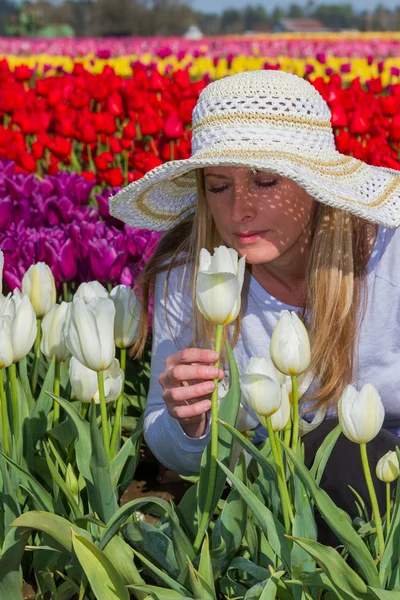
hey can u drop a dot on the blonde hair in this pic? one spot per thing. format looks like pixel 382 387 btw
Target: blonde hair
pixel 335 289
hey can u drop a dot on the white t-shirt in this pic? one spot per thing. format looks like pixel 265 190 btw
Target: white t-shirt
pixel 379 346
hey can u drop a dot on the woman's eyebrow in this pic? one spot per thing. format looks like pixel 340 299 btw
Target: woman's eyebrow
pixel 220 175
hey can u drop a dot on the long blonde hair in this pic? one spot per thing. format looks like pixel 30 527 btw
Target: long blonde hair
pixel 335 289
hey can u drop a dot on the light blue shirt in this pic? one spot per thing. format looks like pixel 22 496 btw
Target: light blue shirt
pixel 378 347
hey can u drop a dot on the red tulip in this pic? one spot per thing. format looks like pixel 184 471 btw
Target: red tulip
pixel 339 116
pixel 23 73
pixel 359 124
pixel 103 160
pixel 27 161
pixel 173 128
pixel 394 131
pixel 114 177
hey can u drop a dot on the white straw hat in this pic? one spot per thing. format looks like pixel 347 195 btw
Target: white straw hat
pixel 272 121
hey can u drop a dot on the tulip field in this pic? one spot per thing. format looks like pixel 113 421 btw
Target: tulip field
pixel 79 119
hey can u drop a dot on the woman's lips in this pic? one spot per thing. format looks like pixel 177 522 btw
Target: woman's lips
pixel 250 238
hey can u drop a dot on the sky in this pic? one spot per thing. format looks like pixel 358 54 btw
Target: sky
pixel 217 6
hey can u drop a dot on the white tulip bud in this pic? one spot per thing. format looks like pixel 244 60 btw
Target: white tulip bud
pixel 290 345
pixel 261 391
pixel 23 326
pixel 84 382
pixel 127 314
pixel 245 420
pixel 361 414
pixel 387 469
pixel 53 336
pixel 280 418
pixel 219 285
pixel 92 289
pixel 89 332
pixel 6 347
pixel 38 283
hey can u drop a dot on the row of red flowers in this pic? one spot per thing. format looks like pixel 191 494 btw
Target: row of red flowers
pixel 113 129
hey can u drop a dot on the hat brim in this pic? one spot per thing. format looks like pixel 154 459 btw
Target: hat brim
pixel 168 193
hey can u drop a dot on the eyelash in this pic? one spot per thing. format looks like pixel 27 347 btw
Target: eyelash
pixel 258 183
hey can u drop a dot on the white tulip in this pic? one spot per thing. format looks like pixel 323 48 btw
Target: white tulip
pixel 38 283
pixel 280 418
pixel 387 469
pixel 361 414
pixel 6 348
pixel 261 391
pixel 90 332
pixel 127 314
pixel 53 336
pixel 92 289
pixel 23 324
pixel 84 381
pixel 219 284
pixel 307 426
pixel 245 420
pixel 290 345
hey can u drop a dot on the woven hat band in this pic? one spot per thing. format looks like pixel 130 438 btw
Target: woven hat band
pixel 248 122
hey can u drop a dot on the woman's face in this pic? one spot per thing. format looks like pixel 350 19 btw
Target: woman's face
pixel 258 213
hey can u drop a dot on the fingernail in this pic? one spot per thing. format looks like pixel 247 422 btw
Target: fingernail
pixel 214 355
pixel 213 372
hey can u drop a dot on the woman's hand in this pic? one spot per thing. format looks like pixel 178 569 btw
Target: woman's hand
pixel 187 384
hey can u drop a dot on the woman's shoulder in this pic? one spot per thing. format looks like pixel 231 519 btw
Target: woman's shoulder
pixel 384 261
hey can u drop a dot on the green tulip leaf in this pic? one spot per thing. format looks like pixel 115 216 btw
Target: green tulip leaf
pixel 10 561
pixel 104 579
pixel 154 544
pixel 385 594
pixel 337 521
pixel 159 593
pixel 323 453
pixel 264 463
pixel 42 499
pixel 271 587
pixel 122 557
pixel 58 528
pixel 169 581
pixel 389 565
pixel 256 572
pixel 59 481
pixel 272 528
pixel 42 406
pixel 206 567
pixel 346 583
pixel 230 526
pixel 92 462
pixel 304 527
pixel 124 464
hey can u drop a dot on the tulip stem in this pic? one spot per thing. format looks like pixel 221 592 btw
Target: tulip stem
pixel 103 410
pixel 116 432
pixel 373 498
pixel 388 508
pixel 295 401
pixel 280 474
pixel 287 432
pixel 56 388
pixel 12 371
pixel 205 517
pixel 4 419
pixel 36 360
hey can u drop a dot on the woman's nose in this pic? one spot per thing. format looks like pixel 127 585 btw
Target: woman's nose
pixel 243 206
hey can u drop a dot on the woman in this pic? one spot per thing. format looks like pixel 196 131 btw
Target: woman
pixel 265 179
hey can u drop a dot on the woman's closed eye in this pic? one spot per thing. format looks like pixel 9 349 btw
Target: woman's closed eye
pixel 221 188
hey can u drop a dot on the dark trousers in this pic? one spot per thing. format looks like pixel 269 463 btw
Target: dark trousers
pixel 344 468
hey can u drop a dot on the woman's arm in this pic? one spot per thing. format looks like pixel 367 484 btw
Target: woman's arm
pixel 163 433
